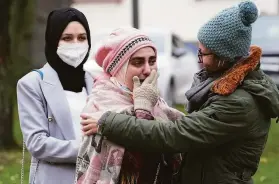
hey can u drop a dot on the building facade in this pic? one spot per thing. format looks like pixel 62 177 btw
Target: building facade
pixel 184 17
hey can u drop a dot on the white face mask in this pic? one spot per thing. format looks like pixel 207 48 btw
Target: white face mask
pixel 72 53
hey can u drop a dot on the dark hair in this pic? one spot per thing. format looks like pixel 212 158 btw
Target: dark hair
pixel 227 60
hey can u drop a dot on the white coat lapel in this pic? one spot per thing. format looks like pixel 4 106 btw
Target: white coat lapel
pixel 56 100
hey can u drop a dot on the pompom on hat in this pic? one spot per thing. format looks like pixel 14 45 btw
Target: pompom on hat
pixel 119 46
pixel 228 34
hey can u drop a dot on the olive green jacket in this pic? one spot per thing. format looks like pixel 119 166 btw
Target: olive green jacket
pixel 222 142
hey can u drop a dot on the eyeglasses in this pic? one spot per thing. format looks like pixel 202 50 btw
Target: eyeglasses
pixel 200 55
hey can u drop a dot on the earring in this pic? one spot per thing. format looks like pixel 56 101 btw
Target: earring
pixel 219 63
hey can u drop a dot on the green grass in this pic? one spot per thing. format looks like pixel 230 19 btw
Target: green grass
pixel 10 167
pixel 10 161
pixel 268 172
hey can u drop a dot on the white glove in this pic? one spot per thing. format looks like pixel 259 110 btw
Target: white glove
pixel 146 94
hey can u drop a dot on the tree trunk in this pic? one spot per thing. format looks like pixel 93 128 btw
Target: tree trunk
pixel 6 100
pixel 15 17
pixel 21 42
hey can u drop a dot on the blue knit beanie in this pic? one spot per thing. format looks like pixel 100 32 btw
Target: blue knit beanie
pixel 228 34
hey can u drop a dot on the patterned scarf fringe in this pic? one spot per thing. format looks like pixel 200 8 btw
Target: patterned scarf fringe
pixel 129 178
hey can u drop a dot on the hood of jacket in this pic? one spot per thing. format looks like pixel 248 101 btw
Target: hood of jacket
pixel 248 76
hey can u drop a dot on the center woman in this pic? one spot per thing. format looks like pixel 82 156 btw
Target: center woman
pixel 128 58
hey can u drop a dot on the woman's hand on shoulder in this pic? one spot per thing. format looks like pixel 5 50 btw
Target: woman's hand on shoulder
pixel 89 125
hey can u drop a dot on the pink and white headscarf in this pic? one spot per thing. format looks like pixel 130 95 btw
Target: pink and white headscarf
pixel 119 46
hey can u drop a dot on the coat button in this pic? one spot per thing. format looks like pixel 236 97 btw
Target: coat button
pixel 50 119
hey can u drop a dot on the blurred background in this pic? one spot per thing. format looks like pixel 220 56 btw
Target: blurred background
pixel 171 24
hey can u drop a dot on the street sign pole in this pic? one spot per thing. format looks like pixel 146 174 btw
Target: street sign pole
pixel 135 13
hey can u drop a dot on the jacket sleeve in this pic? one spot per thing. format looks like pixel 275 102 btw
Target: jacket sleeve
pixel 216 124
pixel 34 127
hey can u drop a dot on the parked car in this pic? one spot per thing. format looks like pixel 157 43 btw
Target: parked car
pixel 266 35
pixel 177 64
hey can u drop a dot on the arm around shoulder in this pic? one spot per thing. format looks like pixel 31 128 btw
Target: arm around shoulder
pixel 216 124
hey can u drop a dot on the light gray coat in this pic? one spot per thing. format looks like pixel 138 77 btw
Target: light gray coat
pixel 47 127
